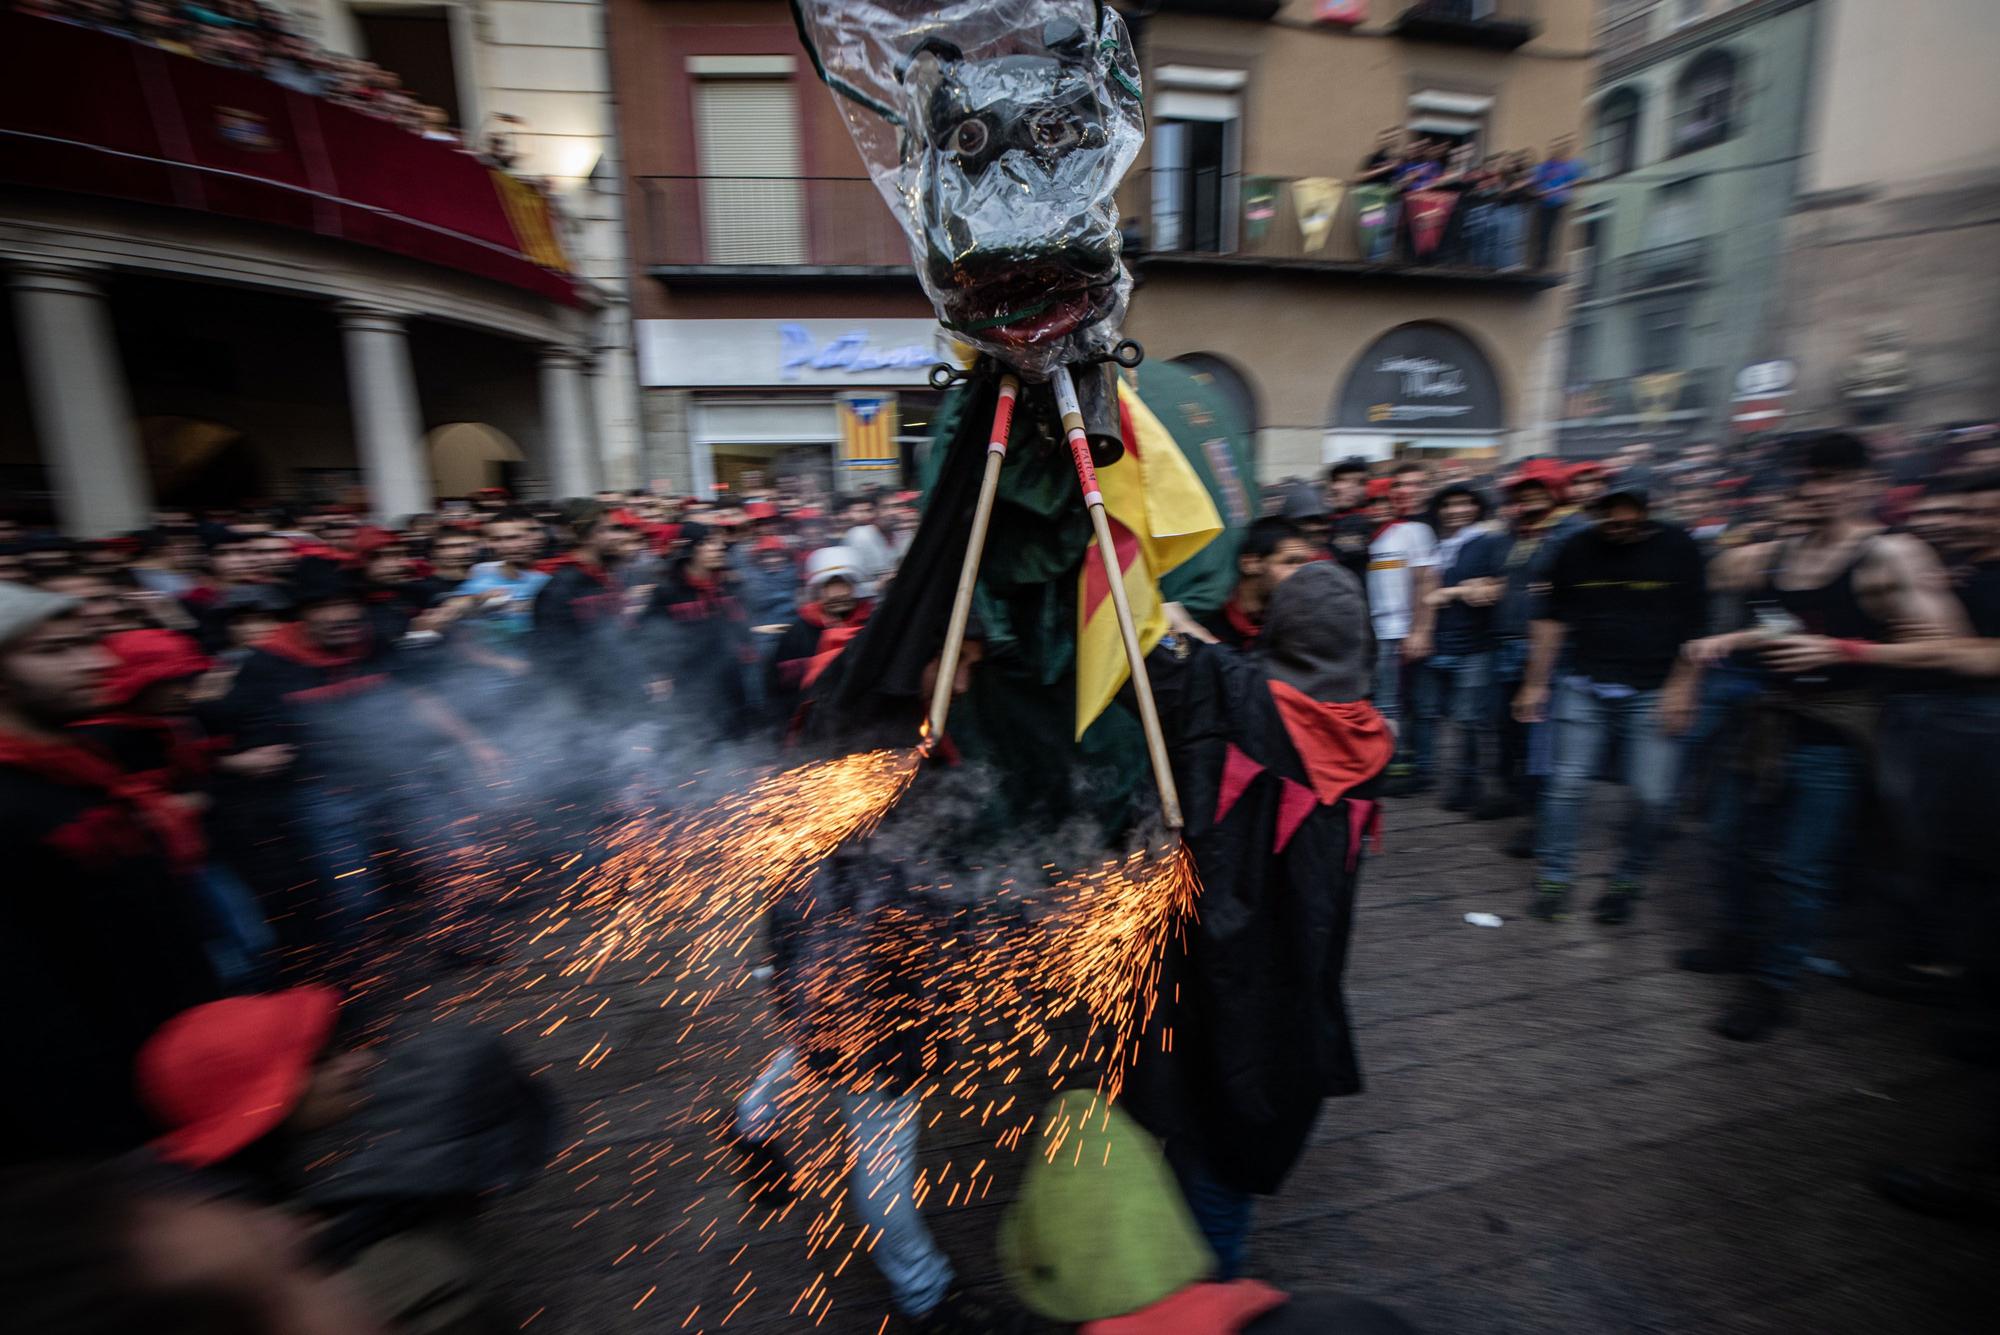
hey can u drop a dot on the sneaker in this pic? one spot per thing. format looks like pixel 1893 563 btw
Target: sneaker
pixel 1759 1011
pixel 1614 906
pixel 1522 843
pixel 964 1312
pixel 1551 901
pixel 1725 956
pixel 766 1176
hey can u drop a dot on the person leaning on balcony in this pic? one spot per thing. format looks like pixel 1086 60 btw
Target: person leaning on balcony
pixel 1554 181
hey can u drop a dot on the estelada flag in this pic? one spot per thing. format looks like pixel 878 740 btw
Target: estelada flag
pixel 534 223
pixel 1429 211
pixel 1160 516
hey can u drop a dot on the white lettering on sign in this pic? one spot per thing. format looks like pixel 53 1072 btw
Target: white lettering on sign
pixel 850 352
pixel 1425 377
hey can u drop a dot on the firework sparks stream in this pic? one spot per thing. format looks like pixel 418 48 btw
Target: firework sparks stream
pixel 1040 982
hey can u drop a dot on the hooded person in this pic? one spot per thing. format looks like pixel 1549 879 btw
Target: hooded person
pixel 1099 1239
pixel 1274 753
pixel 832 615
pixel 101 933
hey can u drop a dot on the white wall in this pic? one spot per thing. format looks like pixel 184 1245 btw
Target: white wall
pixel 1905 90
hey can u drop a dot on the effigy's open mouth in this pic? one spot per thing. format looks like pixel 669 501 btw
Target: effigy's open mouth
pixel 1026 304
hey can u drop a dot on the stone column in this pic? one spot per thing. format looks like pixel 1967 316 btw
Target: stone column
pixel 388 425
pixel 82 408
pixel 565 432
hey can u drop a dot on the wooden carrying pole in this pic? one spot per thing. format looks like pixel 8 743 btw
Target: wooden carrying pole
pixel 975 546
pixel 1142 686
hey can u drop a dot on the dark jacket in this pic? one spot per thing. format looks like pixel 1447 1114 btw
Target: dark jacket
pixel 101 942
pixel 699 636
pixel 581 644
pixel 340 710
pixel 1253 996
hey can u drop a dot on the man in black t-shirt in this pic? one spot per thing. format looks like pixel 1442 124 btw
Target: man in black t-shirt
pixel 1624 595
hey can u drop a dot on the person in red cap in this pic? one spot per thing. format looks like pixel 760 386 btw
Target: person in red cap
pixel 100 929
pixel 1539 522
pixel 382 1158
pixel 1401 557
pixel 1587 481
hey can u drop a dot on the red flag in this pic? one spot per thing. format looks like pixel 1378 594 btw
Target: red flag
pixel 1428 211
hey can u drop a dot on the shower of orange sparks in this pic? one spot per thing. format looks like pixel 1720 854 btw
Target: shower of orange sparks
pixel 676 902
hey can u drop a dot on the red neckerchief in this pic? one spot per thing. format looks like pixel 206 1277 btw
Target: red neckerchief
pixel 1343 743
pixel 173 827
pixel 1199 1309
pixel 1239 619
pixel 570 560
pixel 188 755
pixel 291 642
pixel 1382 528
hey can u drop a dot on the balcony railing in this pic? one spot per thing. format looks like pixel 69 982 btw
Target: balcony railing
pixel 1683 264
pixel 768 226
pixel 1254 220
pixel 1501 25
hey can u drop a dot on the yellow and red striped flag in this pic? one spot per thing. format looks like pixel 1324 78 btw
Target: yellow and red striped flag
pixel 1160 516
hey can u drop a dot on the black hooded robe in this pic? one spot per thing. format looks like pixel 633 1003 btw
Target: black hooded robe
pixel 1252 997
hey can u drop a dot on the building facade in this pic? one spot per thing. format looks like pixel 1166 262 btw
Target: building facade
pixel 230 287
pixel 780 329
pixel 773 288
pixel 1891 305
pixel 1698 113
pixel 1252 263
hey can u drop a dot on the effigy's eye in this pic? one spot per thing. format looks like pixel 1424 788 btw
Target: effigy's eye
pixel 969 140
pixel 1055 131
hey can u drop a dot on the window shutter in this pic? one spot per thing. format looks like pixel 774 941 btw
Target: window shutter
pixel 750 205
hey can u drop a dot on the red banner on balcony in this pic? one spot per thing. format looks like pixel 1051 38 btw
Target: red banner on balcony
pixel 96 114
pixel 1348 12
pixel 1428 211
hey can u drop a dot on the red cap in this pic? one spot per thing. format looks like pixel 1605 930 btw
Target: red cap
pixel 148 657
pixel 366 542
pixel 1588 468
pixel 1378 487
pixel 223 1076
pixel 761 510
pixel 769 543
pixel 807 512
pixel 1547 472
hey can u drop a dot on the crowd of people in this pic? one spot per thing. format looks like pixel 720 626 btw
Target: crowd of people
pixel 235 737
pixel 264 39
pixel 1498 211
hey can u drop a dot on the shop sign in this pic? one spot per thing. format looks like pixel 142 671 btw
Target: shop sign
pixel 1422 377
pixel 741 353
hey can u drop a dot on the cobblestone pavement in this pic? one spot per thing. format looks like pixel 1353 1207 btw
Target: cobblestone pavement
pixel 1550 1141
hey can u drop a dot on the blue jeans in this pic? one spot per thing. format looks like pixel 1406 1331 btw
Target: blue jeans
pixel 1794 841
pixel 1221 1213
pixel 1388 695
pixel 337 827
pixel 1458 687
pixel 1584 722
pixel 883 1131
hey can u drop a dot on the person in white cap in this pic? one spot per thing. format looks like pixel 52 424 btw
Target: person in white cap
pixel 833 614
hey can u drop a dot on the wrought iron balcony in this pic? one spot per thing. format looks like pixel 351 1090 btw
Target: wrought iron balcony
pixel 1500 25
pixel 731 228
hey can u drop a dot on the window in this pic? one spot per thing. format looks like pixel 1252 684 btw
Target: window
pixel 1582 353
pixel 1196 146
pixel 1705 102
pixel 1586 264
pixel 1663 332
pixel 415 44
pixel 1615 149
pixel 746 132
